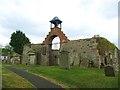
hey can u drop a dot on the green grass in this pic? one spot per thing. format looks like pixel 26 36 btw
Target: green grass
pixel 12 80
pixel 0 75
pixel 76 77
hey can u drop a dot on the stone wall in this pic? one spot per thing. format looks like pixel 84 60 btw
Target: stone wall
pixel 43 55
pixel 28 49
pixel 81 52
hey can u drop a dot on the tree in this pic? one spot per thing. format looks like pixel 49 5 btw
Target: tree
pixel 18 40
pixel 8 50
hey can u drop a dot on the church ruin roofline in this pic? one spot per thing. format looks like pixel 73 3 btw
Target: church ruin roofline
pixel 81 39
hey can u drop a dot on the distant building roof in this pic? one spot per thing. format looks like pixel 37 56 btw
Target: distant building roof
pixel 4 54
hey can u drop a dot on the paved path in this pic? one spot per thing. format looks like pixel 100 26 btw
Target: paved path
pixel 35 80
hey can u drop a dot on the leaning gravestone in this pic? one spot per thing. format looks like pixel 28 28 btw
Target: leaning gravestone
pixel 109 71
pixel 64 60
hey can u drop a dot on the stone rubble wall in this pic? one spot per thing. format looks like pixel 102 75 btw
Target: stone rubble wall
pixel 27 49
pixel 81 52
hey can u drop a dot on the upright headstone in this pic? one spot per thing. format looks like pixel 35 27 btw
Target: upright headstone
pixel 109 71
pixel 64 60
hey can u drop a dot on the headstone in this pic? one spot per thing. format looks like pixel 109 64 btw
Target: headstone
pixel 64 61
pixel 109 71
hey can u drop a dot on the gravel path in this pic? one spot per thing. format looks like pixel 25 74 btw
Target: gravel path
pixel 35 80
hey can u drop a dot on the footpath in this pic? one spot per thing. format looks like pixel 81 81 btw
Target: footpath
pixel 37 81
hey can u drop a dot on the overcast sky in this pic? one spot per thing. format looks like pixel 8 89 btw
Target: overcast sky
pixel 81 18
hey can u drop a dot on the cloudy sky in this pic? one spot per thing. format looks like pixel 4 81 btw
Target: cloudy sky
pixel 81 18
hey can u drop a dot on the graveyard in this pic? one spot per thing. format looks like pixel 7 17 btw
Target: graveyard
pixel 83 63
pixel 95 52
pixel 74 78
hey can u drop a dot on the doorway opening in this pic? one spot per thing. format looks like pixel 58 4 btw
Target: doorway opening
pixel 56 43
pixel 55 51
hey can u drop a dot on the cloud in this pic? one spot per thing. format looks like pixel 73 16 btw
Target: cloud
pixel 81 18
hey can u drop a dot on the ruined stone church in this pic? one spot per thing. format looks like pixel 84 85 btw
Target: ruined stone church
pixel 82 52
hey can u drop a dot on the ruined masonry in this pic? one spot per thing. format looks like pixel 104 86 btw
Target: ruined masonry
pixel 82 52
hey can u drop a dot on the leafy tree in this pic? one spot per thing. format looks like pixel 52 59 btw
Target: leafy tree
pixel 0 49
pixel 18 40
pixel 8 50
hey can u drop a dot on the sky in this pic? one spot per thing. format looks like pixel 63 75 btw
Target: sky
pixel 81 18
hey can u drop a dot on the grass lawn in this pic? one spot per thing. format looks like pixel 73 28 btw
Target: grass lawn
pixel 0 75
pixel 12 80
pixel 76 77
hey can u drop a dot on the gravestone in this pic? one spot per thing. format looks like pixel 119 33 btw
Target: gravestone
pixel 109 71
pixel 64 60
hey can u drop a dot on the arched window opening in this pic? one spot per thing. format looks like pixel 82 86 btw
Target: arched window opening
pixel 56 43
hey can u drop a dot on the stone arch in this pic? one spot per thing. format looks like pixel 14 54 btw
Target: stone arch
pixel 49 38
pixel 54 33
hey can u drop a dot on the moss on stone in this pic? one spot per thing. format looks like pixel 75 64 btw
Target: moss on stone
pixel 105 46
